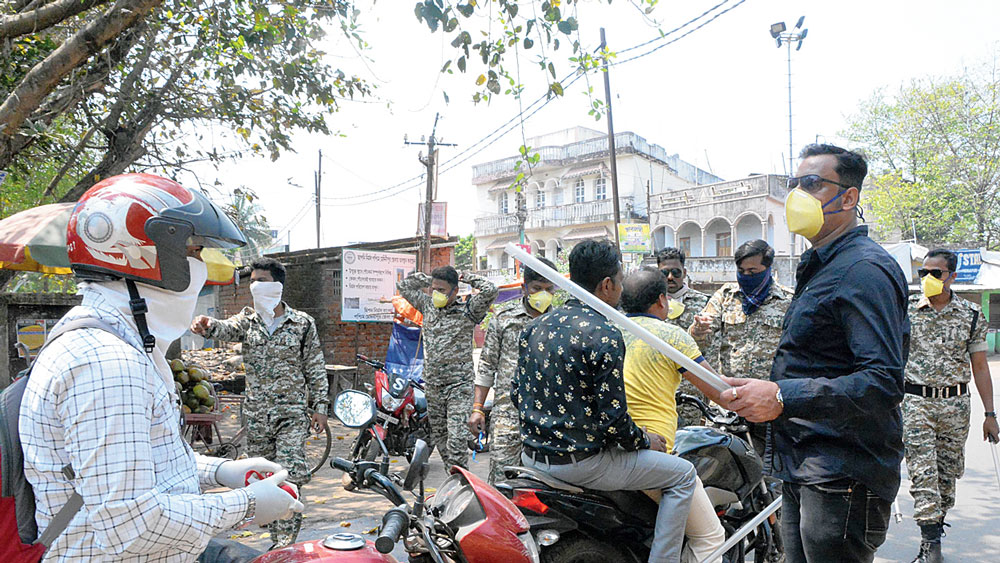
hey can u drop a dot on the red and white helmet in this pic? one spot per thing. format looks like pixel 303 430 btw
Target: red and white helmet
pixel 138 227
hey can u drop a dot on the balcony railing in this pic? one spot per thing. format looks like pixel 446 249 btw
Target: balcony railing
pixel 496 224
pixel 625 142
pixel 597 211
pixel 721 192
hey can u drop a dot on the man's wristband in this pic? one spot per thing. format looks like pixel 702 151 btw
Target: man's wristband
pixel 991 414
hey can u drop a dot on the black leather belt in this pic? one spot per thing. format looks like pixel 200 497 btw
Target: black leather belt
pixel 936 392
pixel 558 459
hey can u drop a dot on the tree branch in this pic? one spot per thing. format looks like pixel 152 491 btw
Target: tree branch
pixel 43 78
pixel 43 17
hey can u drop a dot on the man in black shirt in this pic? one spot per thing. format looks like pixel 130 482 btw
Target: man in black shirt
pixel 837 379
pixel 570 394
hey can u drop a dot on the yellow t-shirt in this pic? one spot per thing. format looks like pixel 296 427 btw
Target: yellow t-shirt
pixel 651 379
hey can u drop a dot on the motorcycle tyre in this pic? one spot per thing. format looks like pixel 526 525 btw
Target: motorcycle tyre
pixel 580 549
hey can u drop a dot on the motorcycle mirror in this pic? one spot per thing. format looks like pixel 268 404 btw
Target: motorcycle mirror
pixel 354 408
pixel 418 465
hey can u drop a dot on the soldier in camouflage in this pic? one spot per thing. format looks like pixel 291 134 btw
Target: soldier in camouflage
pixel 285 368
pixel 448 366
pixel 497 365
pixel 948 334
pixel 685 304
pixel 740 327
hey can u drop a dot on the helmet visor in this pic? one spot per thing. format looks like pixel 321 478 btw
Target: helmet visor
pixel 212 227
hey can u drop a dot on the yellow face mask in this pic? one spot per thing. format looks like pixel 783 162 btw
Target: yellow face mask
pixel 804 213
pixel 931 286
pixel 540 301
pixel 674 309
pixel 439 299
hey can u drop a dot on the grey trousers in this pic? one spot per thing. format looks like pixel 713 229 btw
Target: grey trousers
pixel 615 469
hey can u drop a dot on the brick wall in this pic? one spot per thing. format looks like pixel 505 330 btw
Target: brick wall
pixel 312 285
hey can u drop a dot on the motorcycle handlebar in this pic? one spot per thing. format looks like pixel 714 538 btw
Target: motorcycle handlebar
pixel 365 359
pixel 394 523
pixel 342 464
pixel 710 414
pixel 388 488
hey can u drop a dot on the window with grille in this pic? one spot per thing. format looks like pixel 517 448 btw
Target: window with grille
pixel 502 203
pixel 540 200
pixel 580 191
pixel 601 189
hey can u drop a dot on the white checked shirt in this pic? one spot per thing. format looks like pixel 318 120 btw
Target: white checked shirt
pixel 98 404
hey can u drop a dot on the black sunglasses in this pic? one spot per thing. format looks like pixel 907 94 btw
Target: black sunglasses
pixel 936 272
pixel 675 272
pixel 812 182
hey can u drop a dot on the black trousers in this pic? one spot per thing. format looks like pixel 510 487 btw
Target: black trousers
pixel 839 521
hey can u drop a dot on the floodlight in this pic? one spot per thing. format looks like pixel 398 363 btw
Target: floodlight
pixel 798 24
pixel 802 38
pixel 777 29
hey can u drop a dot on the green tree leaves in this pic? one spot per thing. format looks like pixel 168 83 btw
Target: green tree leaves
pixel 935 157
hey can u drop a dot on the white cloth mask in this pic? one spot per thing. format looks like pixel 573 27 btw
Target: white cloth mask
pixel 170 312
pixel 266 296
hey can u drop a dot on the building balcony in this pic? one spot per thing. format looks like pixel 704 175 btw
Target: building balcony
pixel 557 216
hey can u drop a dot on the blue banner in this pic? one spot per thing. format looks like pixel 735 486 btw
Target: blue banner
pixel 406 352
pixel 969 262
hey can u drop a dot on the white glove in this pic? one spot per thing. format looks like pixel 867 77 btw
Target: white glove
pixel 274 503
pixel 233 473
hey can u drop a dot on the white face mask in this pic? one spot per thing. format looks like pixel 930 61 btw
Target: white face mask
pixel 170 312
pixel 266 296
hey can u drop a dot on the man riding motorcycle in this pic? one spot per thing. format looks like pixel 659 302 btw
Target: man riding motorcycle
pixel 651 381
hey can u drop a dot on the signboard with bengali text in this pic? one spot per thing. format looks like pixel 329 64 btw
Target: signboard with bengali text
pixel 368 282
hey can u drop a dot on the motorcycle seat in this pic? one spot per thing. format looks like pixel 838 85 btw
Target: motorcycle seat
pixel 636 503
pixel 541 477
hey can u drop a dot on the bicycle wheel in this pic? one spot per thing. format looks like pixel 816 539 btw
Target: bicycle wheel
pixel 318 448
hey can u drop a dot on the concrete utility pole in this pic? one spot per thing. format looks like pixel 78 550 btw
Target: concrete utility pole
pixel 430 163
pixel 611 135
pixel 318 176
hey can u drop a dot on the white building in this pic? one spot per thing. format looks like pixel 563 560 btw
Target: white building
pixel 710 222
pixel 568 195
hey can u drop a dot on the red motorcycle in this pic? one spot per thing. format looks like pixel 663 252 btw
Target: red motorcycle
pixel 467 521
pixel 401 416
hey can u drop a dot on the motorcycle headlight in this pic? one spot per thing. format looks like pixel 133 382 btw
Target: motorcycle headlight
pixel 530 547
pixel 389 402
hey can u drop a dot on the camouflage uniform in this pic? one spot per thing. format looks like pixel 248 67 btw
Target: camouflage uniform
pixel 694 301
pixel 448 367
pixel 282 368
pixel 741 345
pixel 497 366
pixel 935 430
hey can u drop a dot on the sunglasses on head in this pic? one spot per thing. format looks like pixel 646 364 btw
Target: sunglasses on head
pixel 936 272
pixel 812 182
pixel 675 272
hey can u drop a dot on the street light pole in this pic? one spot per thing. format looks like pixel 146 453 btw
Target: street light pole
pixel 782 36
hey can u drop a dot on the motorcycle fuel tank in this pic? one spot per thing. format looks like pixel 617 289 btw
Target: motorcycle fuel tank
pixel 723 461
pixel 337 548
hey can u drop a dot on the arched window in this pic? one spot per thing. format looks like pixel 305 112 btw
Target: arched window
pixel 601 189
pixel 579 192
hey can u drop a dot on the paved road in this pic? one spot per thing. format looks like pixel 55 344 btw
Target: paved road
pixel 974 535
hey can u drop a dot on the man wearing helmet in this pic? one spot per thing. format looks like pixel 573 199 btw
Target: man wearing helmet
pixel 105 404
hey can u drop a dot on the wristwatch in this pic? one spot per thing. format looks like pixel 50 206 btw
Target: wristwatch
pixel 251 512
pixel 777 397
pixel 990 414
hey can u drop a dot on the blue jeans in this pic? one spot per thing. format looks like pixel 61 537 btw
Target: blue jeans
pixel 836 521
pixel 615 469
pixel 227 551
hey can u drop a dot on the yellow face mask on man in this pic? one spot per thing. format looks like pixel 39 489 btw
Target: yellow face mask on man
pixel 931 286
pixel 804 213
pixel 674 309
pixel 439 299
pixel 540 301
